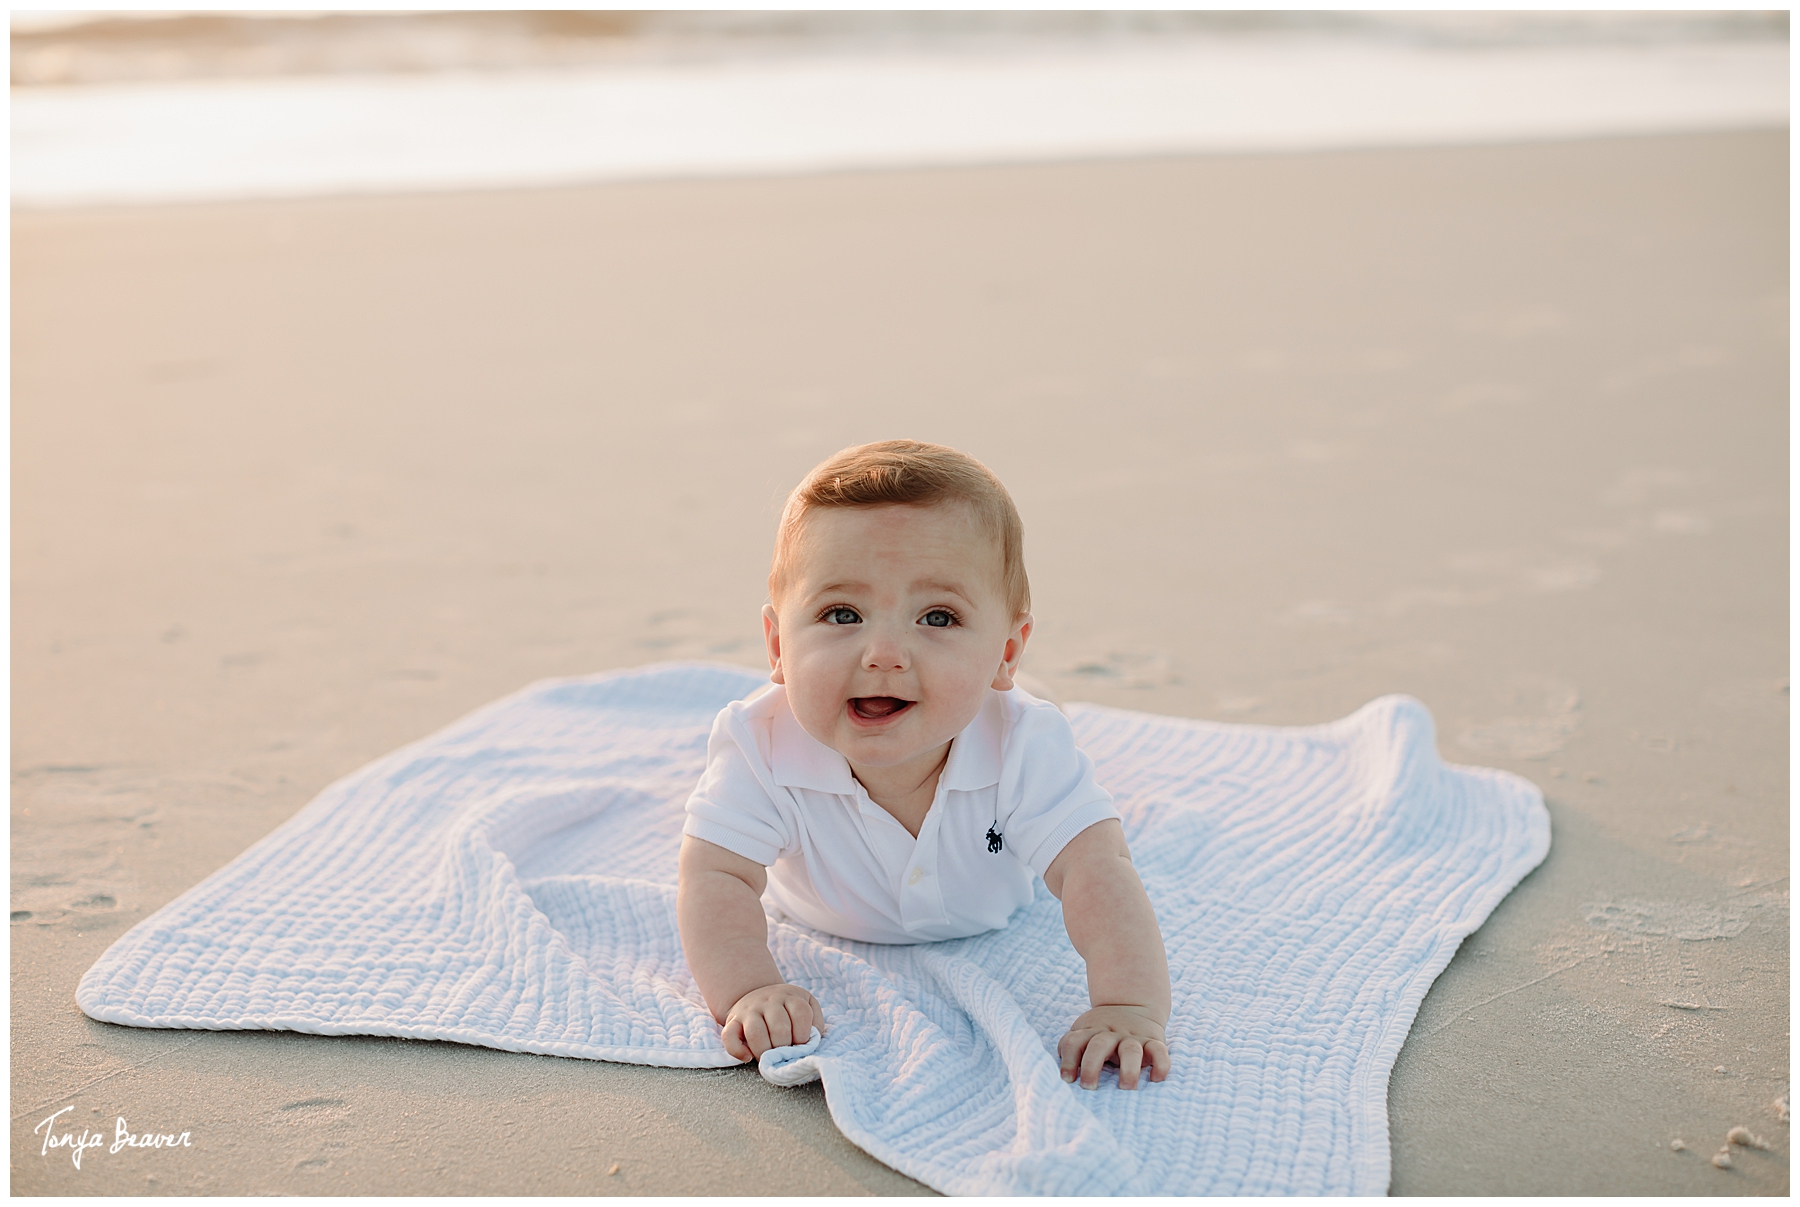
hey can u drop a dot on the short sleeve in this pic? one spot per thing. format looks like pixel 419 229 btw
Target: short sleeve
pixel 1051 782
pixel 734 806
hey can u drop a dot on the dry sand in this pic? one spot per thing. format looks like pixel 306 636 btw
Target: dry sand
pixel 1504 428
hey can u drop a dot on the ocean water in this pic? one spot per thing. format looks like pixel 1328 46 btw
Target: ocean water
pixel 831 102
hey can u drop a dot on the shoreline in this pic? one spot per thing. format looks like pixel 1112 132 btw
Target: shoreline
pixel 330 135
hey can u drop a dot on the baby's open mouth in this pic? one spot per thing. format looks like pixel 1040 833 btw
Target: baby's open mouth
pixel 879 708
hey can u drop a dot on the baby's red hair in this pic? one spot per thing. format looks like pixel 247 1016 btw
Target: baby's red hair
pixel 914 474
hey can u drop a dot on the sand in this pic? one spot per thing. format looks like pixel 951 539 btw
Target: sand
pixel 1505 428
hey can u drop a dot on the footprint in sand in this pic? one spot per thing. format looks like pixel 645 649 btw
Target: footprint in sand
pixel 86 1057
pixel 1322 452
pixel 1319 611
pixel 312 1112
pixel 1693 923
pixel 1682 523
pixel 1533 737
pixel 1636 485
pixel 1122 669
pixel 322 1114
pixel 1476 394
pixel 1562 576
pixel 1517 322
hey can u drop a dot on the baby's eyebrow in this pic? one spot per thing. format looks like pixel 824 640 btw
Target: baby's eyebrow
pixel 925 586
pixel 834 588
pixel 935 586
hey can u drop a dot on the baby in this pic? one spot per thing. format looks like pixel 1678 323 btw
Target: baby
pixel 895 786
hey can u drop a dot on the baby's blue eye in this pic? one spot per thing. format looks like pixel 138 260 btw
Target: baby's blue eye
pixel 841 616
pixel 937 618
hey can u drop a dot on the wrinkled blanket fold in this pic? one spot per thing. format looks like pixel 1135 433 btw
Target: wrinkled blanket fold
pixel 509 882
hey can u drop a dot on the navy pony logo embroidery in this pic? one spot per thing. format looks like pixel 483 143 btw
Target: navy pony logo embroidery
pixel 995 840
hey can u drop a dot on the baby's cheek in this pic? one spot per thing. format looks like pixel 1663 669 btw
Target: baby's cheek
pixel 816 710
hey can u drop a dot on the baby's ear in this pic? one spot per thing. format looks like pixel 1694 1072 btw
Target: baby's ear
pixel 1015 650
pixel 772 639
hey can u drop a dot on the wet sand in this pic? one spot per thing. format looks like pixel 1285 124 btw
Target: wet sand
pixel 1505 428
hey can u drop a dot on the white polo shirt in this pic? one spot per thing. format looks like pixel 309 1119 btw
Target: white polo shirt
pixel 840 863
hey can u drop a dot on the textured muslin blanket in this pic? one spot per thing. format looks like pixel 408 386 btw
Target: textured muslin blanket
pixel 510 882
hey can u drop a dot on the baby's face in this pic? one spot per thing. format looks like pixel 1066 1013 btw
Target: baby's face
pixel 892 629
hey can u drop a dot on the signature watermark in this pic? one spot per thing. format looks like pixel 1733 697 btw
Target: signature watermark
pixel 79 1142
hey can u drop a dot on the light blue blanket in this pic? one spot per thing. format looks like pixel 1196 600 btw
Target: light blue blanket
pixel 509 882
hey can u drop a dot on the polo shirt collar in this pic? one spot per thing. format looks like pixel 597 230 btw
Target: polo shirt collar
pixel 799 760
pixel 974 761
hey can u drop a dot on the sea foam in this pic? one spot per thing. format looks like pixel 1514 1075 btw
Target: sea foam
pixel 295 136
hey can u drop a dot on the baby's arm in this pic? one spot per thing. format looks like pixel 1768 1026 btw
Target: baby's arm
pixel 725 938
pixel 1112 925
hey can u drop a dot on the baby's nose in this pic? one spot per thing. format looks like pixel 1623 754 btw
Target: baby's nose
pixel 884 654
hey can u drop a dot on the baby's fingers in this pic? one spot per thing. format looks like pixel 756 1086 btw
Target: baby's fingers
pixel 798 1017
pixel 1158 1052
pixel 1094 1059
pixel 733 1038
pixel 804 1016
pixel 1130 1060
pixel 780 1026
pixel 756 1034
pixel 1068 1052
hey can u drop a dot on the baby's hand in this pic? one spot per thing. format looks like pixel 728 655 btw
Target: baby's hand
pixel 774 1016
pixel 1117 1035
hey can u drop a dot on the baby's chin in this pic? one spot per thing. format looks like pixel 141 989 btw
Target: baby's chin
pixel 883 753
